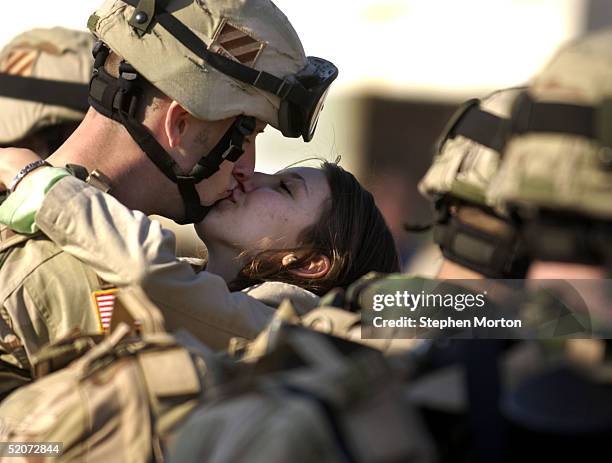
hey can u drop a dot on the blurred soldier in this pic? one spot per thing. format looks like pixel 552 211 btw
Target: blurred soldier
pixel 44 76
pixel 178 99
pixel 43 95
pixel 476 240
pixel 556 178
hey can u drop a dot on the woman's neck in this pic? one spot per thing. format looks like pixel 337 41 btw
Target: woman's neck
pixel 223 261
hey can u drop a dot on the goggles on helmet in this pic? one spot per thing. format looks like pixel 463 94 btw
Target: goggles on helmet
pixel 302 95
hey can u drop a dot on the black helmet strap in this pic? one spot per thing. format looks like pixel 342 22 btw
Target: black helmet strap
pixel 118 99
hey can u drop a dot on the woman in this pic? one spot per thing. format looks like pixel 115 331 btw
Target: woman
pixel 303 230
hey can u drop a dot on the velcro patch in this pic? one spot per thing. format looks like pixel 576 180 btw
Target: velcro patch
pixel 19 62
pixel 104 302
pixel 234 43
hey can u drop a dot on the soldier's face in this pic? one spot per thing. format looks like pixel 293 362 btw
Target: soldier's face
pixel 268 212
pixel 231 174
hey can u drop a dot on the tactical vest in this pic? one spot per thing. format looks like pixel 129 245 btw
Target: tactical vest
pixel 113 398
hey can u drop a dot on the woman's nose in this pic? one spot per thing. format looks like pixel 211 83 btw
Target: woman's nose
pixel 258 180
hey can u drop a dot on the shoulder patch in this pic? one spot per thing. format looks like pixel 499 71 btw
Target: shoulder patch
pixel 104 302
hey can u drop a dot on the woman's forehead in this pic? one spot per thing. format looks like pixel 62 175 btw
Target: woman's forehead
pixel 303 171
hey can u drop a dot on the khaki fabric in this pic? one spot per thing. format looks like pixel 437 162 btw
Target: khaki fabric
pixel 312 397
pixel 557 171
pixel 202 90
pixel 54 54
pixel 141 398
pixel 119 402
pixel 273 293
pixel 44 294
pixel 464 168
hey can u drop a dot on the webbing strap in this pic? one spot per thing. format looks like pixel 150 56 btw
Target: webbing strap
pixel 117 98
pixel 481 127
pixel 531 116
pixel 70 95
pixel 480 251
pixel 259 79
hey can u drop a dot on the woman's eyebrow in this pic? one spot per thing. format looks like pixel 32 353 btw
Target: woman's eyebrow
pixel 299 177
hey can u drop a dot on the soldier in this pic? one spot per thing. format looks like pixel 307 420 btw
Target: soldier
pixel 43 88
pixel 166 89
pixel 556 179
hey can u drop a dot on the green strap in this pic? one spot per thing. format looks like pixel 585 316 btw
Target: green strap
pixel 142 16
pixel 92 22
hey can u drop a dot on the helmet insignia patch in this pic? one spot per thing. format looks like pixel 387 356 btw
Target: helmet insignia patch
pixel 20 62
pixel 234 43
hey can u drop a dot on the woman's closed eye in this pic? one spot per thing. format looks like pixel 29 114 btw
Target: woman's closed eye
pixel 284 186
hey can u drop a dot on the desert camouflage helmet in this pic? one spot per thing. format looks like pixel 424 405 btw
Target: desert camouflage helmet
pixel 559 152
pixel 467 230
pixel 254 33
pixel 556 173
pixel 468 153
pixel 43 81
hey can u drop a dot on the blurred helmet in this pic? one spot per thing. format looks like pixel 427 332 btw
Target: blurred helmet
pixel 467 230
pixel 556 174
pixel 43 81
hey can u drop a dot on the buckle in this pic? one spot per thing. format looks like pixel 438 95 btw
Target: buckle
pixel 284 89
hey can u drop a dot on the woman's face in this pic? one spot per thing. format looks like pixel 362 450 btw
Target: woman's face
pixel 269 212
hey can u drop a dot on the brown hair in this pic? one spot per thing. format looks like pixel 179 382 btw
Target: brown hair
pixel 351 232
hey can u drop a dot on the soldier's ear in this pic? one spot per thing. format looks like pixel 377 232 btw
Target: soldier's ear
pixel 175 124
pixel 315 268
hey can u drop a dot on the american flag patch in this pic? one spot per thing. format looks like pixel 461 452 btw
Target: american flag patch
pixel 104 301
pixel 234 43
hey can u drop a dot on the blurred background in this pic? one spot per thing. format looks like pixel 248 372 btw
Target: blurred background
pixel 405 65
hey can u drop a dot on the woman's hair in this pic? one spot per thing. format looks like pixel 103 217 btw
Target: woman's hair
pixel 350 231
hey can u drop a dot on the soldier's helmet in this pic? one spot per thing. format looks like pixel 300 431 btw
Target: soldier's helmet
pixel 556 174
pixel 43 81
pixel 220 59
pixel 467 229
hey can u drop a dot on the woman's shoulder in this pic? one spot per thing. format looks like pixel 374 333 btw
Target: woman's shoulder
pixel 272 293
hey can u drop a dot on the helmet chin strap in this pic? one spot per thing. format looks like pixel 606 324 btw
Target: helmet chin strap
pixel 118 99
